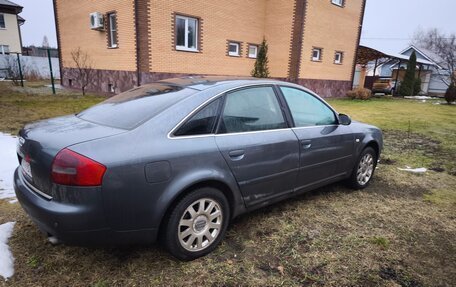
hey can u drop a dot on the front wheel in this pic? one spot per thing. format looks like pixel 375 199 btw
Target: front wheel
pixel 197 224
pixel 364 169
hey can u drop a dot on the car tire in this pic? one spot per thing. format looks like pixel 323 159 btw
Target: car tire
pixel 364 169
pixel 192 231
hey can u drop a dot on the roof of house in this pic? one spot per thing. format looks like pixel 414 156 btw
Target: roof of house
pixel 400 56
pixel 8 6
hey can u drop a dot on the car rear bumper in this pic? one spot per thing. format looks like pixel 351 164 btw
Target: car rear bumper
pixel 77 224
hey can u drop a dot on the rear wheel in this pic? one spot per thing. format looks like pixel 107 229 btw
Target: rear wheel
pixel 197 224
pixel 364 169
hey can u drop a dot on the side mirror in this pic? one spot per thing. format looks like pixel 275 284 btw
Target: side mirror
pixel 344 120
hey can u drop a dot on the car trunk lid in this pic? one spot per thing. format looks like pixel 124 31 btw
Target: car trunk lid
pixel 41 141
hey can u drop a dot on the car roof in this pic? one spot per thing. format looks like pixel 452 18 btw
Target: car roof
pixel 205 82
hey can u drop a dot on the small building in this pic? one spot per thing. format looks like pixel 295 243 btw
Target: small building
pixel 132 42
pixel 10 31
pixel 375 64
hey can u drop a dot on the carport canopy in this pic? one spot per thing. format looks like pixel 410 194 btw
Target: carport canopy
pixel 367 54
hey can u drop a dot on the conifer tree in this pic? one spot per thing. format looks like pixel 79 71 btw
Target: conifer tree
pixel 408 84
pixel 261 69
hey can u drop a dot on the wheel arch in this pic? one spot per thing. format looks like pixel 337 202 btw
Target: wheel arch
pixel 229 189
pixel 374 145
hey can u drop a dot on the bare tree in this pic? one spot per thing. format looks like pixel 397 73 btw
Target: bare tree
pixel 83 71
pixel 444 49
pixel 45 43
pixel 12 69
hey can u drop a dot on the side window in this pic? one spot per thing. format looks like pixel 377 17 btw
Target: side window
pixel 251 109
pixel 306 109
pixel 202 122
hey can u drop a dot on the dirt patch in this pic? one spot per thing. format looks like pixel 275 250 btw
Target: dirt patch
pixel 399 277
pixel 418 151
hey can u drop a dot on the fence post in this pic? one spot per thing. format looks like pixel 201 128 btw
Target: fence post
pixel 20 69
pixel 50 68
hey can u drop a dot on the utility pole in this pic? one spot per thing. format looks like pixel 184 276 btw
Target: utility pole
pixel 20 69
pixel 50 69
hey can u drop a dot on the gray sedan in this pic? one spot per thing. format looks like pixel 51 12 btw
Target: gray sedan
pixel 176 160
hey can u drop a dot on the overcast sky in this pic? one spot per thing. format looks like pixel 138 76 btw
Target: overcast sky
pixel 388 24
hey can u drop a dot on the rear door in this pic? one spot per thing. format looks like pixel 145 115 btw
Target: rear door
pixel 257 144
pixel 325 147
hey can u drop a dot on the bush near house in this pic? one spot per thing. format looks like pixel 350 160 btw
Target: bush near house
pixel 450 95
pixel 360 94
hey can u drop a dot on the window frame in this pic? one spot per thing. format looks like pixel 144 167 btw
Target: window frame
pixel 288 110
pixel 4 21
pixel 112 33
pixel 282 103
pixel 320 54
pixel 238 52
pixel 257 47
pixel 339 3
pixel 195 112
pixel 2 50
pixel 278 97
pixel 185 48
pixel 341 57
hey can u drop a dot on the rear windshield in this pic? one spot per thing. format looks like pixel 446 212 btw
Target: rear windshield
pixel 130 109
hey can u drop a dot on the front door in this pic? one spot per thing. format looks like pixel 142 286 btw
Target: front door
pixel 325 147
pixel 260 149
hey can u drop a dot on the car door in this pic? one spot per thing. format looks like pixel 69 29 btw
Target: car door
pixel 257 144
pixel 325 147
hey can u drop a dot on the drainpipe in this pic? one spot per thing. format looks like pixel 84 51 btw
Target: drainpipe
pixel 138 60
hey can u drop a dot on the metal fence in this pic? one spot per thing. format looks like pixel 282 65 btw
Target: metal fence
pixel 38 67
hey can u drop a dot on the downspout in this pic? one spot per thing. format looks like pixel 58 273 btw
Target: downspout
pixel 138 60
pixel 59 47
pixel 20 33
pixel 361 22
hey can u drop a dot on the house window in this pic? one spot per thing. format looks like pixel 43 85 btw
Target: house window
pixel 234 49
pixel 253 51
pixel 4 50
pixel 112 30
pixel 338 2
pixel 316 54
pixel 186 33
pixel 338 57
pixel 2 21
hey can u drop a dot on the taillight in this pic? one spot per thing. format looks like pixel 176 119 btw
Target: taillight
pixel 71 168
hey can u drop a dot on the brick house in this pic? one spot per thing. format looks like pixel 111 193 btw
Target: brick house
pixel 131 42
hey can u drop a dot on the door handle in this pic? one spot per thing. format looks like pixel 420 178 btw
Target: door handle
pixel 306 144
pixel 237 154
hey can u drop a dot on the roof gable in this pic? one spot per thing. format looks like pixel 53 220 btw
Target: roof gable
pixel 419 54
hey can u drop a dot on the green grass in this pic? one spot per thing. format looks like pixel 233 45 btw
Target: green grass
pixel 18 108
pixel 442 197
pixel 419 133
pixel 398 232
pixel 380 241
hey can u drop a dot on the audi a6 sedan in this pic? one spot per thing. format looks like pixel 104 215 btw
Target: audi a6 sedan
pixel 176 160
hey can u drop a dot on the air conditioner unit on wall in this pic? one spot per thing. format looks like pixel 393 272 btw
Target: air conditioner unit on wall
pixel 96 21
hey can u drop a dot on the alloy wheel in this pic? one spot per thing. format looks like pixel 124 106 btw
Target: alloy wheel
pixel 200 224
pixel 365 169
